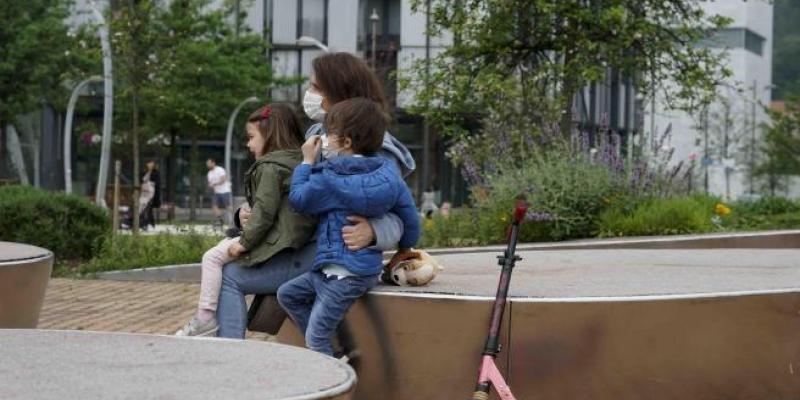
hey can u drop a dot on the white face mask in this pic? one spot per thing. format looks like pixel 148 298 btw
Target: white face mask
pixel 327 153
pixel 312 105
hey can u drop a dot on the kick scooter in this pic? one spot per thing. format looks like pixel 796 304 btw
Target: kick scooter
pixel 489 375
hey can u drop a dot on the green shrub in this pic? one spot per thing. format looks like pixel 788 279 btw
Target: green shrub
pixel 670 216
pixel 767 206
pixel 467 227
pixel 68 225
pixel 122 252
pixel 565 190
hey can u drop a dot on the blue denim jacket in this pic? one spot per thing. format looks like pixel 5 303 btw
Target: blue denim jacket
pixel 343 186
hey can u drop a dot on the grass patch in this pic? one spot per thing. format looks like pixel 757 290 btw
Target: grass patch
pixel 123 252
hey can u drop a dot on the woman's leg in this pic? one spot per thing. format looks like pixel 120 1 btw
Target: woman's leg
pixel 238 281
pixel 151 219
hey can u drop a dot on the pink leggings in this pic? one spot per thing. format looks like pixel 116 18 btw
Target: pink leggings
pixel 211 280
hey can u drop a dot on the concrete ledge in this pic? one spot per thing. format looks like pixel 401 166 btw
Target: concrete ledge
pixel 54 365
pixel 784 239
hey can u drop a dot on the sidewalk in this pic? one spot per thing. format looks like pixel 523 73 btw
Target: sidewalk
pixel 135 307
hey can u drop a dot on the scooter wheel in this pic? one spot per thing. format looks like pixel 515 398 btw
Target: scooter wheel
pixel 480 396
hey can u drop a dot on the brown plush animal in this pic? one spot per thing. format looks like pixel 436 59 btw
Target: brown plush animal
pixel 411 268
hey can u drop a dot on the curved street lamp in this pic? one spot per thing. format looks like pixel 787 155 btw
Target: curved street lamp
pixel 108 109
pixel 310 41
pixel 68 131
pixel 229 133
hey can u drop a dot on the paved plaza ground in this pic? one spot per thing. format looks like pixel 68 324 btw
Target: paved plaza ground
pixel 112 306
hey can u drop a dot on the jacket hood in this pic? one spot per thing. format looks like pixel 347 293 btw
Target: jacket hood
pixel 349 165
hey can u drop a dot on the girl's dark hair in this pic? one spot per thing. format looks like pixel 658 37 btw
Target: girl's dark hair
pixel 280 127
pixel 342 76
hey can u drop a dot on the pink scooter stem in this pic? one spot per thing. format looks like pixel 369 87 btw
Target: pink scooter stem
pixel 489 376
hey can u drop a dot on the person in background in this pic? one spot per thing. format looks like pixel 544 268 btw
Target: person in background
pixel 151 181
pixel 429 207
pixel 221 200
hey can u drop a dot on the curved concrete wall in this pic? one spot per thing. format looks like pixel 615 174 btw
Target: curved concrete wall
pixel 590 324
pixel 24 274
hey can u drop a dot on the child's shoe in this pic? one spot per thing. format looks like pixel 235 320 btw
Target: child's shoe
pixel 195 327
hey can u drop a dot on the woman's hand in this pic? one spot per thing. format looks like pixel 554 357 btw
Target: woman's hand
pixel 244 214
pixel 358 235
pixel 311 149
pixel 235 250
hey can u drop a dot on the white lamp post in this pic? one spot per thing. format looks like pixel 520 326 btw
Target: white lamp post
pixel 229 134
pixel 108 107
pixel 68 131
pixel 374 18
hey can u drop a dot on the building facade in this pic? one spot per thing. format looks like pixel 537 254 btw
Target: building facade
pixel 723 139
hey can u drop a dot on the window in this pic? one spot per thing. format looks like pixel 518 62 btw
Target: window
pixel 733 38
pixel 753 42
pixel 313 21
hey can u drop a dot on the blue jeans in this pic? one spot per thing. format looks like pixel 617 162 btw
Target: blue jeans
pixel 317 304
pixel 238 281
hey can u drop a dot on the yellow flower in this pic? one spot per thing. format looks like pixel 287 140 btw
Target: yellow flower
pixel 722 210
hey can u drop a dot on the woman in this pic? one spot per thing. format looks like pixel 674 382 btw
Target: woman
pixel 335 77
pixel 150 197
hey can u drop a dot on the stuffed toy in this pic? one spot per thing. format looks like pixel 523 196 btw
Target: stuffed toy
pixel 411 268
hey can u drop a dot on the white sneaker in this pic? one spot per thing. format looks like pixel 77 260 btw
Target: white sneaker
pixel 196 328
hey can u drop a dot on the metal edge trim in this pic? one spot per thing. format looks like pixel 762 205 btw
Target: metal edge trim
pixel 23 261
pixel 593 299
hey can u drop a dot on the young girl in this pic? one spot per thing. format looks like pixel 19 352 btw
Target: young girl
pixel 274 137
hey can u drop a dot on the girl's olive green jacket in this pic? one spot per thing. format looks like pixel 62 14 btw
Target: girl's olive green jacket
pixel 273 226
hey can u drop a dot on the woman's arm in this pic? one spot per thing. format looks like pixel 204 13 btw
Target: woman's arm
pixel 383 233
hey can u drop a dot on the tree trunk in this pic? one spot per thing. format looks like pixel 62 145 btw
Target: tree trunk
pixel 568 89
pixel 194 155
pixel 171 166
pixel 15 150
pixel 135 142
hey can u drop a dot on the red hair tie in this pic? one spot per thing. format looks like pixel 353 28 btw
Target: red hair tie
pixel 266 112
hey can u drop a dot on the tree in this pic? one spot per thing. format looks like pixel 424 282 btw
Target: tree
pixel 133 41
pixel 518 65
pixel 34 57
pixel 781 145
pixel 205 70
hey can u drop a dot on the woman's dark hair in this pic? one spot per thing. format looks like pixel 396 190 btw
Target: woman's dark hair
pixel 279 126
pixel 362 120
pixel 342 76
